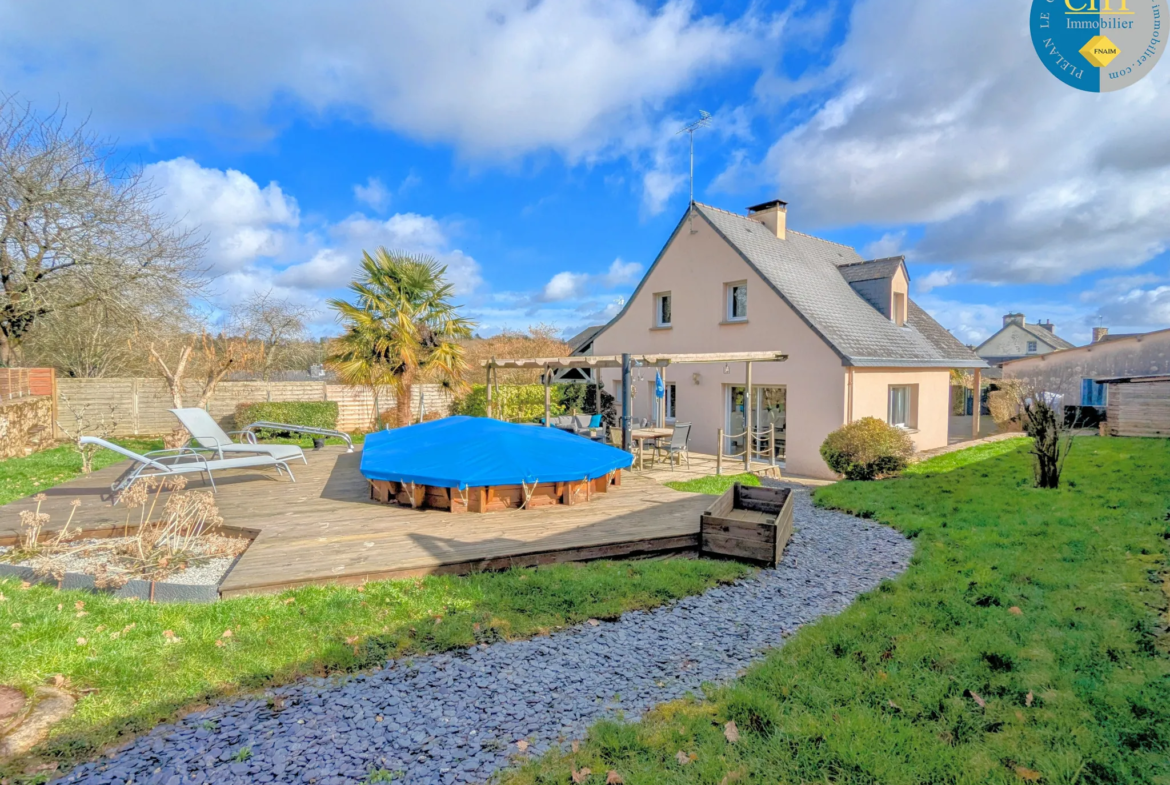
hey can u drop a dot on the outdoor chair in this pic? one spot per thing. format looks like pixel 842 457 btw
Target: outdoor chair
pixel 181 460
pixel 207 435
pixel 678 444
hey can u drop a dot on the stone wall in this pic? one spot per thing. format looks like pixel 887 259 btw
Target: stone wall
pixel 26 425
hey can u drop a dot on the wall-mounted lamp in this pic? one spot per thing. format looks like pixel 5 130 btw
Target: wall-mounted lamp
pixel 695 377
pixel 727 367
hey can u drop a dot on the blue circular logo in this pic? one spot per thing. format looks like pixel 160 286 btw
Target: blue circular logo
pixel 1099 45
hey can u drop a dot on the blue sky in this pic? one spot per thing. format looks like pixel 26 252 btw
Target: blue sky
pixel 532 146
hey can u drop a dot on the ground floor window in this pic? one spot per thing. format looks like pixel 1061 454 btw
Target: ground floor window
pixel 901 411
pixel 671 389
pixel 1092 394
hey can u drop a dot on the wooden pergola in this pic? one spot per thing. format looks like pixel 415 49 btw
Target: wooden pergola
pixel 626 362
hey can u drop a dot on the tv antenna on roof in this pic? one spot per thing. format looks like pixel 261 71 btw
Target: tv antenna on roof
pixel 689 129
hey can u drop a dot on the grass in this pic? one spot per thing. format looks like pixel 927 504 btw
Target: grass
pixel 138 664
pixel 714 484
pixel 21 477
pixel 1027 642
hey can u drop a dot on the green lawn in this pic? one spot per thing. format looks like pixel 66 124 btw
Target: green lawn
pixel 141 676
pixel 20 477
pixel 1026 643
pixel 714 484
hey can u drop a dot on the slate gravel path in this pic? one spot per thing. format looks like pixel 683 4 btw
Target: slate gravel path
pixel 456 717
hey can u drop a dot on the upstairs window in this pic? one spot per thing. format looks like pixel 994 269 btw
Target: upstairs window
pixel 662 309
pixel 1032 347
pixel 736 302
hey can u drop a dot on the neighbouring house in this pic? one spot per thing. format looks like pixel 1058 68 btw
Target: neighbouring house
pixel 1018 339
pixel 580 344
pixel 857 344
pixel 1076 372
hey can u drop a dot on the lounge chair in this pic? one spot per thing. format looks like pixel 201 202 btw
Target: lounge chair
pixel 207 435
pixel 183 460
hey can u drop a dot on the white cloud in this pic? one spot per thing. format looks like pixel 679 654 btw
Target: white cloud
pixel 335 262
pixel 374 193
pixel 494 77
pixel 622 273
pixel 564 286
pixel 241 220
pixel 1011 172
pixel 889 244
pixel 256 238
pixel 934 279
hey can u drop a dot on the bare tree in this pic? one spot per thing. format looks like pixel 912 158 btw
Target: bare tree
pixel 87 419
pixel 210 358
pixel 1040 401
pixel 86 342
pixel 77 227
pixel 278 324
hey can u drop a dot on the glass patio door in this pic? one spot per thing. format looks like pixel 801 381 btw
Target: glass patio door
pixel 769 407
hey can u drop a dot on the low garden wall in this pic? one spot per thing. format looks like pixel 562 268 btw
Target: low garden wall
pixel 26 425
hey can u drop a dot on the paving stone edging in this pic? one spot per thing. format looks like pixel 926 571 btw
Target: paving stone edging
pixel 455 717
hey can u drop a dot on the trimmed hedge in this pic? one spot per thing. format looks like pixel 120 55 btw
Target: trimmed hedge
pixel 312 414
pixel 867 449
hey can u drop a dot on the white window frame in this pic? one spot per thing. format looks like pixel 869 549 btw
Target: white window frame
pixel 729 301
pixel 906 417
pixel 1033 347
pixel 658 298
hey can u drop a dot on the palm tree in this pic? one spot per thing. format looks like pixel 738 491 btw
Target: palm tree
pixel 402 329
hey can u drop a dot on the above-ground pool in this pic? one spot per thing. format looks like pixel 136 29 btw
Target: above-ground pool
pixel 475 464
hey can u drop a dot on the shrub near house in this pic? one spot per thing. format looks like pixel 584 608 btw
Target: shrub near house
pixel 867 449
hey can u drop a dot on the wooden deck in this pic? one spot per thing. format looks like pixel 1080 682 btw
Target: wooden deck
pixel 324 527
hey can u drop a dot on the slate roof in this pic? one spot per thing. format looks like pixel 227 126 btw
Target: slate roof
pixel 806 272
pixel 584 337
pixel 1052 339
pixel 872 270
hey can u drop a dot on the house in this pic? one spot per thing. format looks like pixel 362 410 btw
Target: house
pixel 857 344
pixel 580 344
pixel 1075 372
pixel 1018 339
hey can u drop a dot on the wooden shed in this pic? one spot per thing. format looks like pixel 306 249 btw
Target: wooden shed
pixel 1137 405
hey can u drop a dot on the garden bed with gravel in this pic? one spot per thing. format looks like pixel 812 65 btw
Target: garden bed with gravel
pixel 457 718
pixel 173 547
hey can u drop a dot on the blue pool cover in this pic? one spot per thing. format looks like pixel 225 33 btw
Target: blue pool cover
pixel 462 452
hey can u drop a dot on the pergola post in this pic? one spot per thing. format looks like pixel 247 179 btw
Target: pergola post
pixel 977 405
pixel 547 398
pixel 747 418
pixel 596 387
pixel 626 402
pixel 489 387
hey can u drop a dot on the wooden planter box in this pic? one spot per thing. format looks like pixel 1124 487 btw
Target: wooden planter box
pixel 751 524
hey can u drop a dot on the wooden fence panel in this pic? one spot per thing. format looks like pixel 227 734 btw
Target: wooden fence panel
pixel 140 407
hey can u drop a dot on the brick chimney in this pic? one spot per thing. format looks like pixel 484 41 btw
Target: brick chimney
pixel 1013 318
pixel 773 214
pixel 1047 325
pixel 1099 333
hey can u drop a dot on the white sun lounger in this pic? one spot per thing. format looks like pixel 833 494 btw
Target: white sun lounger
pixel 207 435
pixel 183 460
